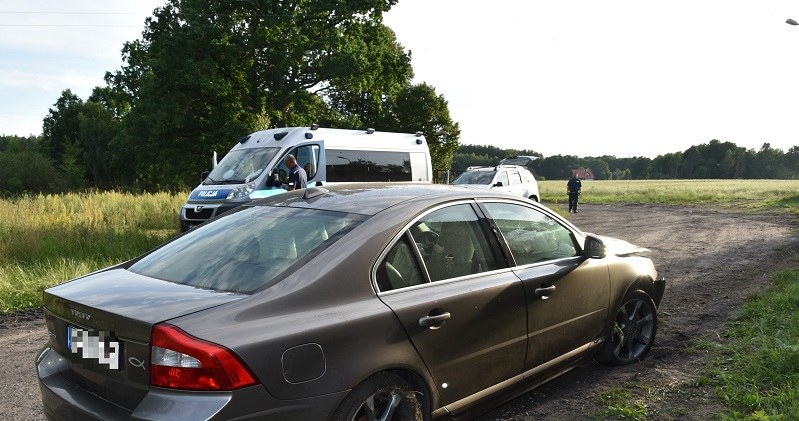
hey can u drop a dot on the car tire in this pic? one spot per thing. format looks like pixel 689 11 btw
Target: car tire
pixel 534 198
pixel 384 396
pixel 632 332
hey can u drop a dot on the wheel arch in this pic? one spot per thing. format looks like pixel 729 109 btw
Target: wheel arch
pixel 418 383
pixel 428 395
pixel 643 283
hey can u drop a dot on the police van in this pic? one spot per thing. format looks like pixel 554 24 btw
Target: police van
pixel 255 167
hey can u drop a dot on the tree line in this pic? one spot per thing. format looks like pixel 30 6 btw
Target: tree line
pixel 712 160
pixel 207 72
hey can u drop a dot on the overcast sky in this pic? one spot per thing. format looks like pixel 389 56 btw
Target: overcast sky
pixel 624 78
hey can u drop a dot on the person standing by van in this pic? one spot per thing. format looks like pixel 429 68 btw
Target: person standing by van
pixel 573 188
pixel 298 178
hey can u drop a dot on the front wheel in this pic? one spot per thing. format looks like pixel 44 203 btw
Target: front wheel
pixel 384 397
pixel 633 331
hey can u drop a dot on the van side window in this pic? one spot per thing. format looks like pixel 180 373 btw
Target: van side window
pixel 350 165
pixel 307 158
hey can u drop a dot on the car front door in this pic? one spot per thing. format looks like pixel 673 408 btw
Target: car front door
pixel 567 294
pixel 464 313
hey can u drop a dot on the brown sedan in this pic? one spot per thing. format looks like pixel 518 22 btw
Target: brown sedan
pixel 361 302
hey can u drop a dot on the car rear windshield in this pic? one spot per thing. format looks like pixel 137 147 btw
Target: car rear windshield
pixel 247 250
pixel 475 177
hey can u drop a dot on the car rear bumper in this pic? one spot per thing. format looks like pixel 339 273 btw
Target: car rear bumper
pixel 63 400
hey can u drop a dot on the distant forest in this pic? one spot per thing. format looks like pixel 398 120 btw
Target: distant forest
pixel 712 160
pixel 26 167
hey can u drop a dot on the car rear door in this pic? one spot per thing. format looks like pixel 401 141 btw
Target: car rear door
pixel 567 294
pixel 464 313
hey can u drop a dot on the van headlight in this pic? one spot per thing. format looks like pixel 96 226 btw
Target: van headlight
pixel 242 192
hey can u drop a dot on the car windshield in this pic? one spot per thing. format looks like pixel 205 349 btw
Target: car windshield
pixel 475 177
pixel 241 166
pixel 246 250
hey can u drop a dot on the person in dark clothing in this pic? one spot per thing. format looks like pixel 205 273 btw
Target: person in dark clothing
pixel 298 179
pixel 573 188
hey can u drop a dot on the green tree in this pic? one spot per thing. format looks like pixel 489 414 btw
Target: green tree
pixel 61 128
pixel 419 108
pixel 206 72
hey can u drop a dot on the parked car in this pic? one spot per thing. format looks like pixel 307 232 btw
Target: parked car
pixel 513 179
pixel 361 302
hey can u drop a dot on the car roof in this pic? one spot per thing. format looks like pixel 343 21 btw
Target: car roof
pixel 371 198
pixel 497 168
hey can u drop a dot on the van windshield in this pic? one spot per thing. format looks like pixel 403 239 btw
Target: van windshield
pixel 241 166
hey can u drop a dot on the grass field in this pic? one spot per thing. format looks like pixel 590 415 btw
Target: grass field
pixel 756 371
pixel 47 239
pixel 752 194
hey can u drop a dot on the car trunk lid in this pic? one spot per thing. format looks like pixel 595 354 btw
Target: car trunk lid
pixel 101 324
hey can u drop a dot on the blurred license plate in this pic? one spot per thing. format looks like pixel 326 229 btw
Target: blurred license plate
pixel 94 345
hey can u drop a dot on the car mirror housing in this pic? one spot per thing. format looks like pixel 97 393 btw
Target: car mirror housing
pixel 594 248
pixel 498 184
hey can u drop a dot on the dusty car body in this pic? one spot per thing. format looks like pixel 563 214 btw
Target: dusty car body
pixel 355 302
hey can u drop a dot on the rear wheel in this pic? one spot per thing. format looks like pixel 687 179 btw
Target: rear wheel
pixel 534 198
pixel 633 331
pixel 383 397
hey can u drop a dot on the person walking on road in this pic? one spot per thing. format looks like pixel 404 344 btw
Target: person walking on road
pixel 573 188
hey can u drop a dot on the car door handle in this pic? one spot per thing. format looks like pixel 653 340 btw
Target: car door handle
pixel 543 292
pixel 434 322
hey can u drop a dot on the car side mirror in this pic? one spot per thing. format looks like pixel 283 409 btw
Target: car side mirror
pixel 204 175
pixel 593 248
pixel 498 184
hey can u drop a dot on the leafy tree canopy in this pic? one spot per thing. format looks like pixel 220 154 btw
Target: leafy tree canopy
pixel 205 72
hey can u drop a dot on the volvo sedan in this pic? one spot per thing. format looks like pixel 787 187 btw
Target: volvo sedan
pixel 361 302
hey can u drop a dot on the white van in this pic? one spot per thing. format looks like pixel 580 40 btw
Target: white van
pixel 254 168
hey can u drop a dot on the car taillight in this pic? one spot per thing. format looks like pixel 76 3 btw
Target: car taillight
pixel 181 361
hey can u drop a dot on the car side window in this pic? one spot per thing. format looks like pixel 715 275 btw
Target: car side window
pixel 515 178
pixel 502 177
pixel 531 235
pixel 400 268
pixel 455 245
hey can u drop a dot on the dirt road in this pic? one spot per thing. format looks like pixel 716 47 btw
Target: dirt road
pixel 712 259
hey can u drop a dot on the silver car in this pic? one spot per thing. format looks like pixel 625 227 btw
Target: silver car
pixel 514 179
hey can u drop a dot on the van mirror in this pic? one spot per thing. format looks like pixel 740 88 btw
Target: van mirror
pixel 273 180
pixel 204 175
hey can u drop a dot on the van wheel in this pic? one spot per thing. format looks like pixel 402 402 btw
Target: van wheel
pixel 633 331
pixel 384 396
pixel 534 198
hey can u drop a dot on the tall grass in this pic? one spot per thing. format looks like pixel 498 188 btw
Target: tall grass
pixel 46 239
pixel 757 371
pixel 747 193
